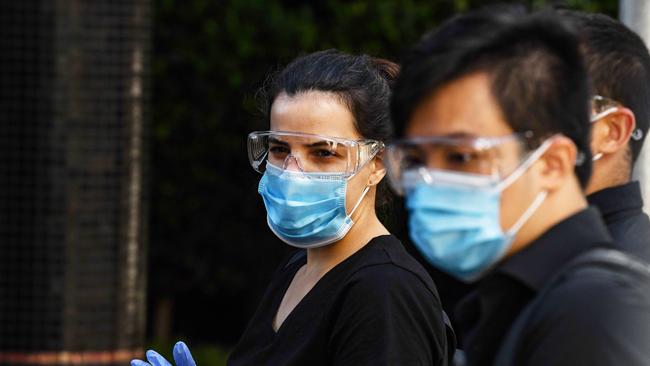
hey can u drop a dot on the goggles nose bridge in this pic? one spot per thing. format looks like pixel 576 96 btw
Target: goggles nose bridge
pixel 288 160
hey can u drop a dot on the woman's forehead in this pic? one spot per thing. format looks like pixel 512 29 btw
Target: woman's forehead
pixel 313 112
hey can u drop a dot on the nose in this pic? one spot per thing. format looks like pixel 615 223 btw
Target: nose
pixel 292 163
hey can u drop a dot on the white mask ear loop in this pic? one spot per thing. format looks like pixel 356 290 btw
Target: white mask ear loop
pixel 528 213
pixel 518 173
pixel 524 167
pixel 595 118
pixel 363 194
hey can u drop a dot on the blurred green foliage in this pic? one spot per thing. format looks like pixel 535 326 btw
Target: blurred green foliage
pixel 211 251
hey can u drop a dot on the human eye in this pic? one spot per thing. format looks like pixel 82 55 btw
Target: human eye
pixel 413 158
pixel 461 157
pixel 464 159
pixel 277 149
pixel 324 153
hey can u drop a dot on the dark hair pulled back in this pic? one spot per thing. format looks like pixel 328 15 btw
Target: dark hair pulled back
pixel 363 83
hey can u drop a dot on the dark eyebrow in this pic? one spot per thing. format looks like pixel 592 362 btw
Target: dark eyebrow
pixel 275 140
pixel 318 144
pixel 457 134
pixel 467 135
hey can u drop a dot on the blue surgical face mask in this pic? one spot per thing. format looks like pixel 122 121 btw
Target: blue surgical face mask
pixel 454 218
pixel 306 210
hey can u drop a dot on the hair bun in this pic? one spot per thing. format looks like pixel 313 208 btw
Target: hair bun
pixel 388 69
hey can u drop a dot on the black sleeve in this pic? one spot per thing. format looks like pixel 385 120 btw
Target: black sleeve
pixel 388 316
pixel 604 320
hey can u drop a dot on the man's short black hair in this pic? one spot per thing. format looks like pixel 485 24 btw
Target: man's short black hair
pixel 618 64
pixel 534 64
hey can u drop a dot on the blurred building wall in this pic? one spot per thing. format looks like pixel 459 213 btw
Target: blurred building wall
pixel 73 121
pixel 636 15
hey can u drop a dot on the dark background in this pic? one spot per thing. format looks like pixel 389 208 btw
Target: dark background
pixel 211 253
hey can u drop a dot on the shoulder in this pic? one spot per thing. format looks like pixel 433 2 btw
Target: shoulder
pixel 390 270
pixel 594 307
pixel 632 235
pixel 616 285
pixel 614 281
pixel 386 312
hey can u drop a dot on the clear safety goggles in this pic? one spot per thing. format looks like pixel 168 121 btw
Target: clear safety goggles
pixel 477 159
pixel 310 153
pixel 602 107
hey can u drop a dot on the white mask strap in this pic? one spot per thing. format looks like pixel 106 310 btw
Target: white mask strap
pixel 596 117
pixel 597 157
pixel 525 165
pixel 528 213
pixel 363 194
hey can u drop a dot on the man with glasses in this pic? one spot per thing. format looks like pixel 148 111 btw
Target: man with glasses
pixel 619 67
pixel 492 114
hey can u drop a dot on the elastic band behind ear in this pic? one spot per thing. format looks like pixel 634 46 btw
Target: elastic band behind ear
pixel 580 158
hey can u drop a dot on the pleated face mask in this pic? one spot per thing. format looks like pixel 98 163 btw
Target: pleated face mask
pixel 453 187
pixel 305 183
pixel 306 210
pixel 454 218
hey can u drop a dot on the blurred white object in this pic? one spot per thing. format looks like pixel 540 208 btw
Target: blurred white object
pixel 636 15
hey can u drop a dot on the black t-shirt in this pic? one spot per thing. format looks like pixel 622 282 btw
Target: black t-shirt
pixel 562 338
pixel 377 307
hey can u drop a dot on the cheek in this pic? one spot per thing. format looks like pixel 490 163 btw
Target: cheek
pixel 355 187
pixel 516 198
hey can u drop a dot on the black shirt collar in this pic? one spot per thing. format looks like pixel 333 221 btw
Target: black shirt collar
pixel 536 263
pixel 618 200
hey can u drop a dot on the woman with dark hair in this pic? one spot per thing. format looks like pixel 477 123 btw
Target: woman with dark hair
pixel 351 295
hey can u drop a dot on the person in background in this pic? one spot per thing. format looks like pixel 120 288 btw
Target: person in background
pixel 618 64
pixel 492 114
pixel 350 295
pixel 619 67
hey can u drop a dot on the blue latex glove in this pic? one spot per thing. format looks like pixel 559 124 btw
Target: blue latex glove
pixel 182 357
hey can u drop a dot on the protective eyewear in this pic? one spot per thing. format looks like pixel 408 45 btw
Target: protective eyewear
pixel 602 107
pixel 478 159
pixel 310 153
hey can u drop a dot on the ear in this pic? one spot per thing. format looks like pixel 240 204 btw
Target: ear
pixel 612 132
pixel 557 165
pixel 378 170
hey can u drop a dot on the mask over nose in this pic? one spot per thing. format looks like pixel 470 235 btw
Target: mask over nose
pixel 454 218
pixel 306 210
